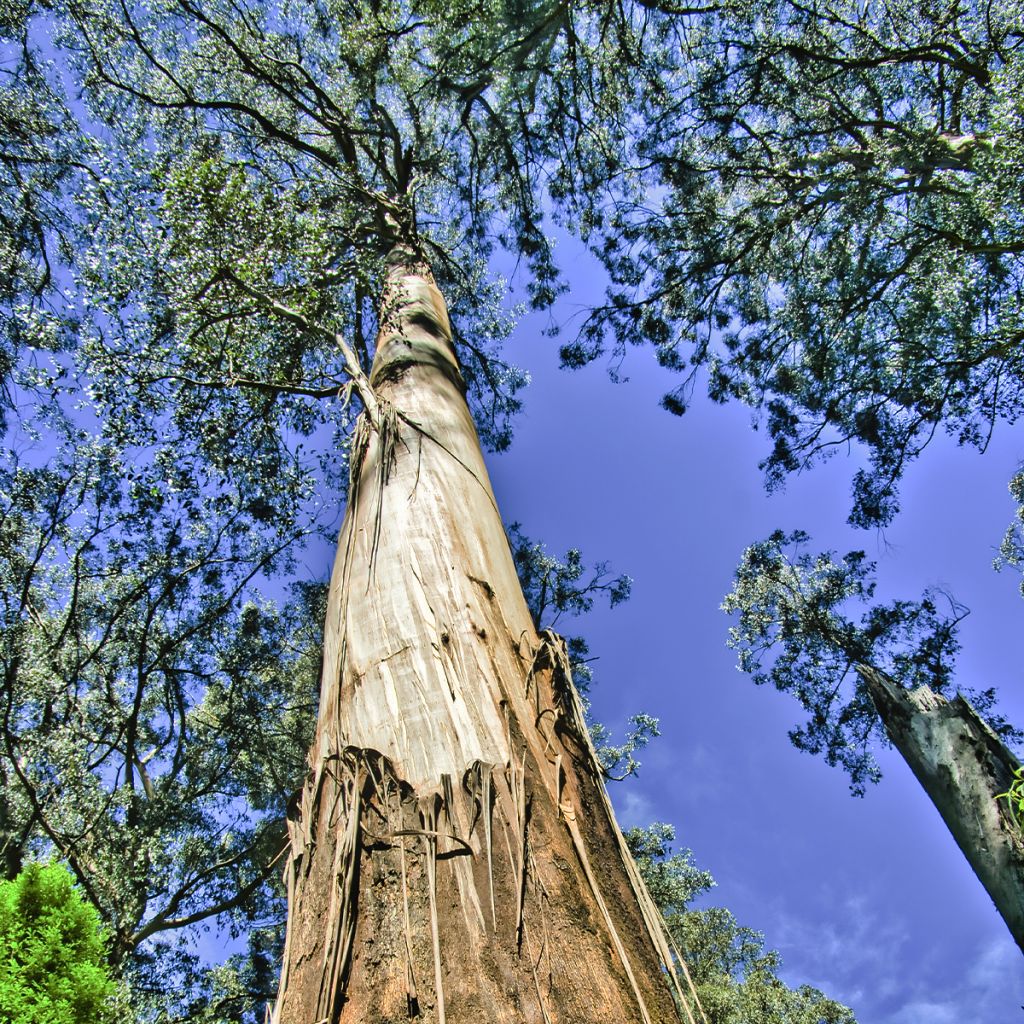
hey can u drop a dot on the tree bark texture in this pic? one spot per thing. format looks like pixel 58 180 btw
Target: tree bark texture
pixel 454 856
pixel 964 767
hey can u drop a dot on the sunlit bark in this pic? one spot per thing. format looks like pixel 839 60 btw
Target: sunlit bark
pixel 964 767
pixel 454 856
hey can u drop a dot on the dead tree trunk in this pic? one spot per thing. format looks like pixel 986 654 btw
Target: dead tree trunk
pixel 454 856
pixel 963 766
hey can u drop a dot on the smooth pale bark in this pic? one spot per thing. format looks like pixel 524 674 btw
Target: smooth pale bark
pixel 454 856
pixel 964 767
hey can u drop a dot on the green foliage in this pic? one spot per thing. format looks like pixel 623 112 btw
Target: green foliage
pixel 736 978
pixel 52 953
pixel 618 760
pixel 1014 797
pixel 155 713
pixel 553 587
pixel 1011 550
pixel 280 164
pixel 672 879
pixel 796 632
pixel 832 229
pixel 41 146
pixel 184 259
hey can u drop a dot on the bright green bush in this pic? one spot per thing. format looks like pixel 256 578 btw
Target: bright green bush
pixel 1014 797
pixel 52 966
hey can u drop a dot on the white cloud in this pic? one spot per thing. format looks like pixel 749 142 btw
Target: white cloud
pixel 869 961
pixel 703 769
pixel 990 984
pixel 632 808
pixel 996 965
pixel 920 1012
pixel 854 958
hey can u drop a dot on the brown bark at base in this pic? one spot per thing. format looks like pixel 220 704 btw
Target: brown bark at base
pixel 964 767
pixel 454 856
pixel 472 902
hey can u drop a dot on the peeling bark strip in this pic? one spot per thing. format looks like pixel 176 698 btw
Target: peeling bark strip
pixel 963 766
pixel 454 856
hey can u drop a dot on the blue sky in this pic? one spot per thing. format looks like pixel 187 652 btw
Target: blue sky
pixel 868 899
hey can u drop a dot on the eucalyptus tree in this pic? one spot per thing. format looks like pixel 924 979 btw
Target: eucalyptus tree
pixel 284 194
pixel 796 630
pixel 41 153
pixel 887 677
pixel 125 661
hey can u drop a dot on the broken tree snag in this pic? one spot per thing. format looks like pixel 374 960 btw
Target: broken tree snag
pixel 454 858
pixel 963 766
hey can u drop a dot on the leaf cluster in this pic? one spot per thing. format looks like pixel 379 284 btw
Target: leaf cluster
pixel 1011 549
pixel 831 229
pixel 154 715
pixel 553 587
pixel 795 629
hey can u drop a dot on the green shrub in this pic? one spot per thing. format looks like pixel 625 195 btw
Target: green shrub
pixel 1014 797
pixel 52 966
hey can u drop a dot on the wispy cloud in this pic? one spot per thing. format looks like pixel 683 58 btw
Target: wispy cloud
pixel 703 769
pixel 853 958
pixel 869 962
pixel 632 808
pixel 989 991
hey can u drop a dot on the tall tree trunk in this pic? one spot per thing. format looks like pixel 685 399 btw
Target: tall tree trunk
pixel 454 856
pixel 963 766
